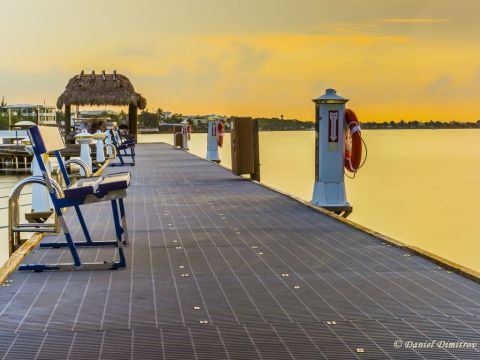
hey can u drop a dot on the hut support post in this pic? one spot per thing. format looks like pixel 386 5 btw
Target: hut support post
pixel 68 122
pixel 132 121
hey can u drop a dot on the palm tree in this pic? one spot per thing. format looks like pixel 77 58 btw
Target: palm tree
pixel 160 113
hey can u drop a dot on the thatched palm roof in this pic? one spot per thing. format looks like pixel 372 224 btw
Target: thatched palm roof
pixel 102 89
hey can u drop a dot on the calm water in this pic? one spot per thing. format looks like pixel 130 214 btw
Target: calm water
pixel 418 186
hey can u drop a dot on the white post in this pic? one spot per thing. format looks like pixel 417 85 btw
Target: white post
pixel 329 189
pixel 99 136
pixel 84 138
pixel 41 201
pixel 108 141
pixel 212 140
pixel 86 156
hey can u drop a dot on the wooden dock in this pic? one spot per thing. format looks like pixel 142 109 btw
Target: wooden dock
pixel 219 267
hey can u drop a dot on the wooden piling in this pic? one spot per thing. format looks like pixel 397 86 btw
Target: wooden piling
pixel 132 121
pixel 245 147
pixel 68 123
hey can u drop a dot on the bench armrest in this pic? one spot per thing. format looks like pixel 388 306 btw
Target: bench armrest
pixel 83 187
pixel 114 182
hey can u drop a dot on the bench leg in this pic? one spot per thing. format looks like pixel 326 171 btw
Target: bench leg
pixel 83 224
pixel 132 151
pixel 89 242
pixel 118 230
pixel 120 157
pixel 77 264
pixel 72 267
pixel 71 245
pixel 124 222
pixel 121 154
pixel 68 237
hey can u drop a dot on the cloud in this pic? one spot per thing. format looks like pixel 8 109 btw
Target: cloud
pixel 441 86
pixel 250 58
pixel 414 21
pixel 453 87
pixel 291 40
pixel 134 51
pixel 346 27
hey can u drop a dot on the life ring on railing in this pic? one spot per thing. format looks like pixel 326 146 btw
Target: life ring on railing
pixel 189 132
pixel 353 142
pixel 220 133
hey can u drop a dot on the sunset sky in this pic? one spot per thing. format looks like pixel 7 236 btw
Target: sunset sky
pixel 395 59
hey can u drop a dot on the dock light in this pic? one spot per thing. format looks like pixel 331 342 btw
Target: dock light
pixel 41 202
pixel 84 138
pixel 99 137
pixel 214 138
pixel 329 189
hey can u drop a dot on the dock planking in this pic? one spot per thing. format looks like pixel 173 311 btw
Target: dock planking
pixel 219 267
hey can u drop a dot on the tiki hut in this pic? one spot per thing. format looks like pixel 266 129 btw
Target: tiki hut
pixel 101 89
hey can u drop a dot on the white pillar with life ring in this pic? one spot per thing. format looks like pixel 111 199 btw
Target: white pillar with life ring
pixel 329 189
pixel 214 138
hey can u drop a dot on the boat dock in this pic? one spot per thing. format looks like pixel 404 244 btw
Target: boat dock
pixel 220 267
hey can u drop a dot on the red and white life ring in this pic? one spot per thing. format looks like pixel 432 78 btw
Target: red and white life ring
pixel 220 133
pixel 353 142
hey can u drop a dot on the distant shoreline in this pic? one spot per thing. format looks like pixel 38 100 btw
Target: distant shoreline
pixel 203 131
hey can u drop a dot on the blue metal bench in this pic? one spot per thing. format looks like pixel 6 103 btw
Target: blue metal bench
pixel 88 190
pixel 124 147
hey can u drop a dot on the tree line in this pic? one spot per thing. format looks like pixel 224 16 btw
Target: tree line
pixel 152 120
pixel 414 124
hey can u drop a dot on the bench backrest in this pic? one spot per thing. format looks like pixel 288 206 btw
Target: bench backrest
pixel 46 139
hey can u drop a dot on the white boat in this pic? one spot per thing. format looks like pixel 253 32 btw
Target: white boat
pixel 12 136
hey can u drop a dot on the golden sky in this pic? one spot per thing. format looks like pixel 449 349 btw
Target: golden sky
pixel 395 59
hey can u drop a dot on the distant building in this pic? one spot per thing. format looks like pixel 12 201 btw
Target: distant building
pixel 197 120
pixel 41 114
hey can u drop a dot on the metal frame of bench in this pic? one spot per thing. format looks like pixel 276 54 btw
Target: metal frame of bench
pixel 48 139
pixel 122 147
